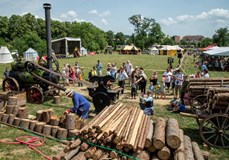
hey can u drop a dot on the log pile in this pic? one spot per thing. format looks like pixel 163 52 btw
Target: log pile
pixel 130 131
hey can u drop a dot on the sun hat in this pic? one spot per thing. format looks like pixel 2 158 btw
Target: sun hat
pixel 68 92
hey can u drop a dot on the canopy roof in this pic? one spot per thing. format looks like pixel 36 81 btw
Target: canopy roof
pixel 30 50
pixel 208 47
pixel 218 51
pixel 5 55
pixel 127 47
pixel 168 47
pixel 153 49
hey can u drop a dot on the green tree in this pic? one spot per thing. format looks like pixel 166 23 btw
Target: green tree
pixel 4 25
pixel 120 38
pixel 110 38
pixel 168 41
pixel 205 42
pixel 221 37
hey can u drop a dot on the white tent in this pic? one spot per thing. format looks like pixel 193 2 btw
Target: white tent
pixel 5 55
pixel 153 51
pixel 83 51
pixel 218 51
pixel 30 55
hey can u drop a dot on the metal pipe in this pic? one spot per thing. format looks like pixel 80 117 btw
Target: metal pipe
pixel 47 8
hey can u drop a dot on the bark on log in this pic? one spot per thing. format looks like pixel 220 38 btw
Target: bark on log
pixel 11 119
pixel 47 130
pixel 10 109
pixel 179 153
pixel 90 152
pixel 45 116
pixel 22 112
pixel 54 130
pixel 84 146
pixel 143 155
pixel 73 133
pixel 12 100
pixel 149 137
pixel 70 121
pixel 17 121
pixel 56 99
pixel 58 156
pixel 75 144
pixel 1 114
pixel 79 156
pixel 15 111
pixel 113 154
pixel 159 133
pixel 71 154
pixel 206 154
pixel 32 125
pixel 172 133
pixel 152 148
pixel 188 148
pixel 24 123
pixel 197 152
pixel 154 157
pixel 5 118
pixel 39 126
pixel 164 153
pixel 55 121
pixel 97 155
pixel 62 133
pixel 39 115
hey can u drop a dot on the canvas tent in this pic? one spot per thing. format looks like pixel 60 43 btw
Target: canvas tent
pixel 130 49
pixel 5 55
pixel 218 51
pixel 171 50
pixel 153 51
pixel 83 51
pixel 31 55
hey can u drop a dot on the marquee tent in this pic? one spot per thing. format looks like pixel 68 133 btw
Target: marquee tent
pixel 170 50
pixel 5 55
pixel 153 51
pixel 83 51
pixel 31 55
pixel 218 51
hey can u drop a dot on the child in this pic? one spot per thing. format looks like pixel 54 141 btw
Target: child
pixel 173 103
pixel 157 90
pixel 163 88
pixel 179 108
pixel 151 87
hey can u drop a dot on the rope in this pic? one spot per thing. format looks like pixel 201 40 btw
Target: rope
pixel 31 141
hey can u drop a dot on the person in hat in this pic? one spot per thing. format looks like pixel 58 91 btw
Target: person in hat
pixel 146 103
pixel 81 105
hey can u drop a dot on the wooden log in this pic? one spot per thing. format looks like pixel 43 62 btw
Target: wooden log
pixel 39 127
pixel 1 114
pixel 97 155
pixel 15 111
pixel 206 154
pixel 54 131
pixel 143 155
pixel 56 100
pixel 59 155
pixel 90 152
pixel 105 156
pixel 164 153
pixel 12 100
pixel 5 118
pixel 188 148
pixel 75 144
pixel 17 121
pixel 10 109
pixel 45 116
pixel 24 123
pixel 154 157
pixel 159 133
pixel 69 155
pixel 142 139
pixel 113 154
pixel 62 133
pixel 197 152
pixel 188 114
pixel 39 115
pixel 149 137
pixel 152 148
pixel 73 133
pixel 179 153
pixel 84 146
pixel 22 112
pixel 79 156
pixel 172 133
pixel 70 121
pixel 32 125
pixel 11 119
pixel 54 120
pixel 47 130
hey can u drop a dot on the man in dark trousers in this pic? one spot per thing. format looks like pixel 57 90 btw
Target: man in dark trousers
pixel 80 104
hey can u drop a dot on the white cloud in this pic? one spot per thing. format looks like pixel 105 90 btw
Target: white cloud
pixel 72 13
pixel 93 12
pixel 217 15
pixel 104 21
pixel 105 13
pixel 68 15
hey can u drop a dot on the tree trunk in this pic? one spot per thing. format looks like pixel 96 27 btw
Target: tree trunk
pixel 197 152
pixel 11 119
pixel 22 112
pixel 1 114
pixel 172 133
pixel 15 111
pixel 16 121
pixel 39 126
pixel 75 144
pixel 39 115
pixel 179 153
pixel 79 156
pixel 159 133
pixel 84 146
pixel 62 133
pixel 152 148
pixel 54 130
pixel 47 130
pixel 90 152
pixel 71 153
pixel 113 154
pixel 188 148
pixel 55 121
pixel 164 153
pixel 32 125
pixel 12 100
pixel 70 121
pixel 97 155
pixel 56 99
pixel 24 123
pixel 5 118
pixel 45 116
pixel 143 155
pixel 149 137
pixel 10 109
pixel 58 156
pixel 73 133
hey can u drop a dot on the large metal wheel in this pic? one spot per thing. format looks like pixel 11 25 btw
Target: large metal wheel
pixel 35 95
pixel 100 101
pixel 10 84
pixel 198 102
pixel 214 130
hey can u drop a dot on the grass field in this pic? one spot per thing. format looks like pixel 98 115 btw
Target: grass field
pixel 148 62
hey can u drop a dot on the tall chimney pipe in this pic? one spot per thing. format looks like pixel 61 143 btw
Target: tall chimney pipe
pixel 47 8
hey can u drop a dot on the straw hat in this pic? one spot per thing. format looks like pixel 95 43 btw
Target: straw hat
pixel 68 92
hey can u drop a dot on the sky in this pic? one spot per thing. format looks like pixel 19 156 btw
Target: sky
pixel 176 17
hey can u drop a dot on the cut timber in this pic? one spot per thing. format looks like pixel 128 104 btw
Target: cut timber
pixel 54 130
pixel 54 121
pixel 149 137
pixel 15 111
pixel 152 148
pixel 154 157
pixel 47 130
pixel 24 123
pixel 22 112
pixel 188 114
pixel 71 154
pixel 70 121
pixel 56 99
pixel 206 154
pixel 59 155
pixel 159 133
pixel 73 133
pixel 39 126
pixel 32 125
pixel 46 116
pixel 79 156
pixel 75 144
pixel 90 152
pixel 1 114
pixel 39 115
pixel 197 152
pixel 12 100
pixel 113 154
pixel 16 121
pixel 10 109
pixel 164 153
pixel 143 155
pixel 188 148
pixel 179 153
pixel 11 119
pixel 97 155
pixel 62 133
pixel 84 146
pixel 5 118
pixel 172 133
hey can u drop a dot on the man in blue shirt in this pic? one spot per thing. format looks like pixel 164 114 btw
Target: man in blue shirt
pixel 146 103
pixel 80 104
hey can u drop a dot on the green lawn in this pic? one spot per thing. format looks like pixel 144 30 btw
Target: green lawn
pixel 148 62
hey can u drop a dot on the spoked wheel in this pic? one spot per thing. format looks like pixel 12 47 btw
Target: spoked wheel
pixel 100 101
pixel 198 102
pixel 214 130
pixel 35 95
pixel 10 84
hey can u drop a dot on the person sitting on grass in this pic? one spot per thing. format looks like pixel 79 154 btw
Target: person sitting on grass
pixel 173 103
pixel 179 108
pixel 146 103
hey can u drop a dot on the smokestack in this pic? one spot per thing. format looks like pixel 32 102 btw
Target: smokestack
pixel 47 8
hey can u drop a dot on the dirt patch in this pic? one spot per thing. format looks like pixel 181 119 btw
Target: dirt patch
pixel 57 148
pixel 20 151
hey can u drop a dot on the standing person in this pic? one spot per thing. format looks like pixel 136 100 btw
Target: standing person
pixel 163 88
pixel 65 71
pixel 153 78
pixel 99 67
pixel 80 104
pixel 178 82
pixel 122 76
pixel 79 76
pixel 142 81
pixel 184 88
pixel 133 85
pixel 113 70
pixel 6 73
pixel 72 74
pixel 167 74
